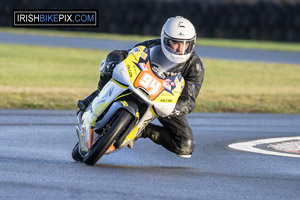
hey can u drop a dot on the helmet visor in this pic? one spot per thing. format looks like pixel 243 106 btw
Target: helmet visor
pixel 179 46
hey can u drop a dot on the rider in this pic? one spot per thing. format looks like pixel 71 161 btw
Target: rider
pixel 177 41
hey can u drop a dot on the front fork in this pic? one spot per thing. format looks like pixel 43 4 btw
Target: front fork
pixel 84 133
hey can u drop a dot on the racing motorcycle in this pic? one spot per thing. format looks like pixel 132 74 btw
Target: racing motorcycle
pixel 143 87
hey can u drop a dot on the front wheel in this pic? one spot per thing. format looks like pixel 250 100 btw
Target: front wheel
pixel 117 126
pixel 76 155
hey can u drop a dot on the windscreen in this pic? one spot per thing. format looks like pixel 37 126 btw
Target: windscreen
pixel 161 65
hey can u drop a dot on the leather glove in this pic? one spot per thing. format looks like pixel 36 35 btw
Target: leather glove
pixel 111 66
pixel 182 108
pixel 174 113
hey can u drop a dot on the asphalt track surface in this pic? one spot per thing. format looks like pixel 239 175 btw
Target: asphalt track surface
pixel 202 51
pixel 36 162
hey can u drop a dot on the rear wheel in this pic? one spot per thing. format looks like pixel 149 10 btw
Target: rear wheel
pixel 117 126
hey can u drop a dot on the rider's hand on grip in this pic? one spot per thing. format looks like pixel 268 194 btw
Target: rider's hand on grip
pixel 111 66
pixel 174 113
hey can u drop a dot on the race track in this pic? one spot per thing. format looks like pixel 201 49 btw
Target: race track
pixel 36 145
pixel 36 162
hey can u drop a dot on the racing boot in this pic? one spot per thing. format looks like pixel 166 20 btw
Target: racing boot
pixel 151 133
pixel 162 136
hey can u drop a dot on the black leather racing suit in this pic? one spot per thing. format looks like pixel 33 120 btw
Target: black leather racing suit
pixel 176 134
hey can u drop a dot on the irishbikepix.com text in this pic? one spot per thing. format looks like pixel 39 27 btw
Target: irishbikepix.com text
pixel 55 18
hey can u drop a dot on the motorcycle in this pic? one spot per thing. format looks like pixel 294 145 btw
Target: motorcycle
pixel 143 87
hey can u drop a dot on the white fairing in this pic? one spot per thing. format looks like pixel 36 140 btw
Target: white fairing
pixel 107 95
pixel 120 74
pixel 164 109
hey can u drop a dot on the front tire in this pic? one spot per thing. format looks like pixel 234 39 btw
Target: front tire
pixel 101 145
pixel 76 155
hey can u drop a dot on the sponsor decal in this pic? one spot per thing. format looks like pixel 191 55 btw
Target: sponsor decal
pixel 167 86
pixel 144 56
pixel 143 66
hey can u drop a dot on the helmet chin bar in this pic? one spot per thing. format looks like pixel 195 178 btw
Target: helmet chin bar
pixel 176 58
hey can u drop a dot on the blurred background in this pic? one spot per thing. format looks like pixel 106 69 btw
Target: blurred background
pixel 250 49
pixel 273 20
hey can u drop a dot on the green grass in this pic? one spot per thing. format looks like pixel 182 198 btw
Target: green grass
pixel 232 86
pixel 55 78
pixel 249 44
pixel 50 78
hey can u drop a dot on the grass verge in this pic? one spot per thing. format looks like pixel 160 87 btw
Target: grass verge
pixel 234 43
pixel 55 78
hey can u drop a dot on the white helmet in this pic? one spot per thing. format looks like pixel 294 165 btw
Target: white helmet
pixel 178 30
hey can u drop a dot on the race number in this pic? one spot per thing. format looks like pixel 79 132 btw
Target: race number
pixel 150 84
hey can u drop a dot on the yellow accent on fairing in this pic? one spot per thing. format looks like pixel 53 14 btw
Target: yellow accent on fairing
pixel 132 69
pixel 119 84
pixel 123 96
pixel 98 110
pixel 124 103
pixel 130 136
pixel 153 112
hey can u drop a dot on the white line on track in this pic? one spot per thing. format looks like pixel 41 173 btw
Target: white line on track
pixel 250 146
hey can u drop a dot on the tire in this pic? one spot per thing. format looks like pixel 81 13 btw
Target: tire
pixel 76 155
pixel 117 126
